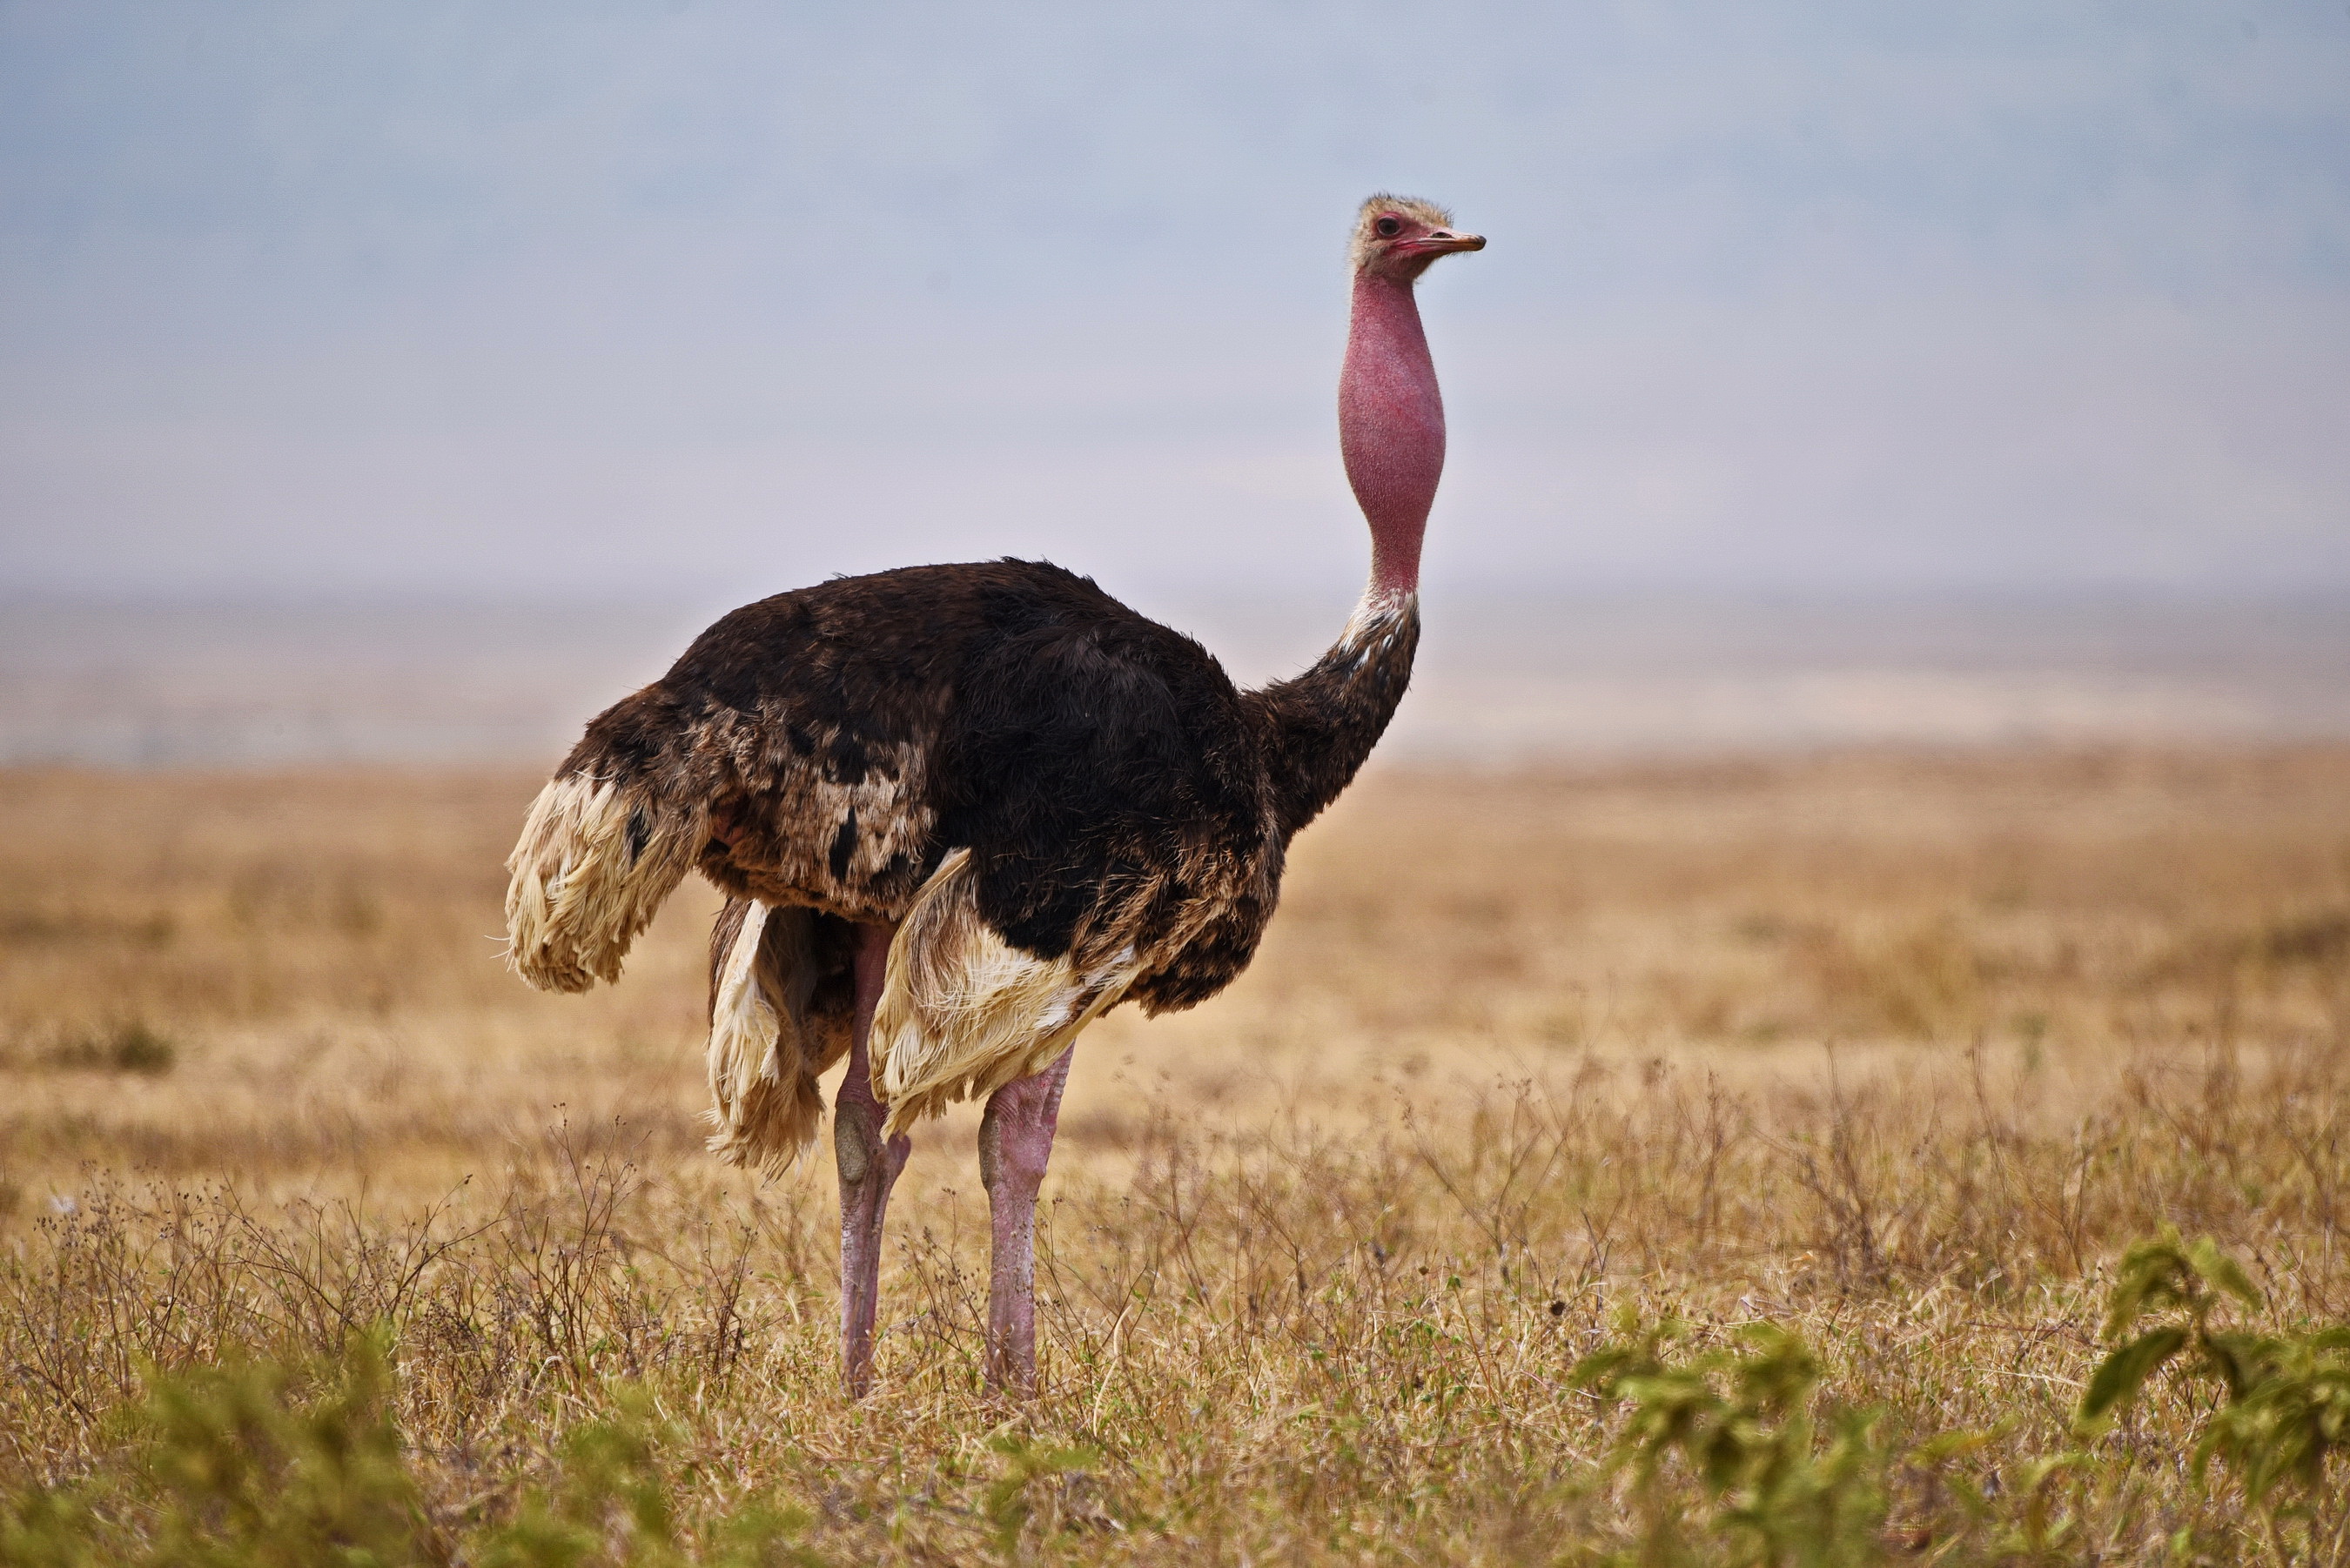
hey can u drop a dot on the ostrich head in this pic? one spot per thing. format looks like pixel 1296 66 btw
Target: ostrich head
pixel 1397 237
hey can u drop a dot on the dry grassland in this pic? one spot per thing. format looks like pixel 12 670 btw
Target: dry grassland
pixel 1898 1052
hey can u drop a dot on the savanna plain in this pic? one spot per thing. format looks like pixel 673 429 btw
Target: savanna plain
pixel 1873 1157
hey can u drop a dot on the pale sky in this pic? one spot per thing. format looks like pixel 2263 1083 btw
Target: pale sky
pixel 714 298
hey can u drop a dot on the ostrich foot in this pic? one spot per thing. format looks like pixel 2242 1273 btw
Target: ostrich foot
pixel 1015 1140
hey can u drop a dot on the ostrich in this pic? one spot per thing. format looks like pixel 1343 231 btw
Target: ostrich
pixel 959 812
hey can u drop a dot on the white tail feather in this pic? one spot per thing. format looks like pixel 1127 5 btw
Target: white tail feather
pixel 744 1025
pixel 765 1045
pixel 594 863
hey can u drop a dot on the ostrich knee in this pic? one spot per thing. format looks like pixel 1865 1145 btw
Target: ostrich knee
pixel 859 1148
pixel 1015 1143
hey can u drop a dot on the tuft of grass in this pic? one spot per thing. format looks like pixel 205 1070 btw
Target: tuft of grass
pixel 132 1046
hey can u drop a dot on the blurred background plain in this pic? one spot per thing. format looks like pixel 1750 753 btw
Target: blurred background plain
pixel 406 382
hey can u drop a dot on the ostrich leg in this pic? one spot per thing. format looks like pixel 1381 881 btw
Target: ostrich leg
pixel 868 1167
pixel 1015 1139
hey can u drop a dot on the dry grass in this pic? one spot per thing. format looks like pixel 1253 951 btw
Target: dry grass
pixel 1899 1052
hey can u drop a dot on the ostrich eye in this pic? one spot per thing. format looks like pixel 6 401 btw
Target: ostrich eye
pixel 1388 227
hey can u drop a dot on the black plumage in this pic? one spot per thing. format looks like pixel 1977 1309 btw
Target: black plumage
pixel 1103 772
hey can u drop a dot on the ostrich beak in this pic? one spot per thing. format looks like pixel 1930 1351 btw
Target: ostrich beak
pixel 1441 243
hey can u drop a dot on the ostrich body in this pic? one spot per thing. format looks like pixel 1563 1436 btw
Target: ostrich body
pixel 961 811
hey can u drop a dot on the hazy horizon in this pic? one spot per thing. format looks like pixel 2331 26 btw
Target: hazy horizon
pixel 1504 679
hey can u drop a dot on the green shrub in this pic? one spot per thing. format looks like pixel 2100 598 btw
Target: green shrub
pixel 2280 1411
pixel 233 1470
pixel 1739 1421
pixel 264 1465
pixel 611 1503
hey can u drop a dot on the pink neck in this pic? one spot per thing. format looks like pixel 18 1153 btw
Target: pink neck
pixel 1391 427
